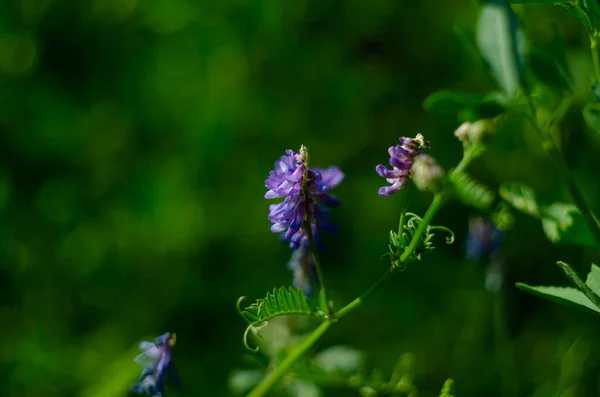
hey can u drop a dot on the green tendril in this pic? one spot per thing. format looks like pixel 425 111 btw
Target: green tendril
pixel 450 238
pixel 245 339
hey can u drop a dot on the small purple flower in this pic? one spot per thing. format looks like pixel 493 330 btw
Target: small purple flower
pixel 305 272
pixel 402 157
pixel 303 190
pixel 156 361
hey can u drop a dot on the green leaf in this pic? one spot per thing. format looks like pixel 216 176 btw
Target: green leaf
pixel 520 196
pixel 472 193
pixel 447 389
pixel 593 279
pixel 566 295
pixel 576 12
pixel 565 223
pixel 502 44
pixel 546 68
pixel 556 219
pixel 591 114
pixel 467 107
pixel 281 302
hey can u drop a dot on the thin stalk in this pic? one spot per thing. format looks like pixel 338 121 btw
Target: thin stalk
pixel 555 154
pixel 403 213
pixel 316 260
pixel 271 379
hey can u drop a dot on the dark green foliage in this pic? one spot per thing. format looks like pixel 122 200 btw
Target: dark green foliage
pixel 465 107
pixel 548 68
pixel 577 12
pixel 591 114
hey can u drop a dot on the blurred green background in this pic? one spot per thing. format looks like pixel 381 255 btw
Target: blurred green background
pixel 135 137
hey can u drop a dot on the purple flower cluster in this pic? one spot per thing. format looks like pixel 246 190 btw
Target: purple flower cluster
pixel 402 157
pixel 303 190
pixel 156 361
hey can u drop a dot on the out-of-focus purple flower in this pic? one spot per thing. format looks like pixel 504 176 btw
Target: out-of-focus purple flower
pixel 156 361
pixel 401 159
pixel 303 190
pixel 305 272
pixel 484 239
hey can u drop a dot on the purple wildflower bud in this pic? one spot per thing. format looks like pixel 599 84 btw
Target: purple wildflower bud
pixel 484 239
pixel 305 272
pixel 303 191
pixel 401 159
pixel 155 360
pixel 427 174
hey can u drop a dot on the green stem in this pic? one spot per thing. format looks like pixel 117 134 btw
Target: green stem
pixel 555 154
pixel 313 249
pixel 358 301
pixel 280 370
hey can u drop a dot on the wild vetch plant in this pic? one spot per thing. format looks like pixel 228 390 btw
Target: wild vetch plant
pixel 527 77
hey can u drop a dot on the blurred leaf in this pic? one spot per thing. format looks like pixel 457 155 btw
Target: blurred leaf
pixel 472 193
pixel 502 44
pixel 447 388
pixel 593 279
pixel 520 196
pixel 566 295
pixel 564 222
pixel 299 388
pixel 546 69
pixel 242 381
pixel 591 114
pixel 576 12
pixel 338 359
pixel 557 218
pixel 467 107
pixel 561 222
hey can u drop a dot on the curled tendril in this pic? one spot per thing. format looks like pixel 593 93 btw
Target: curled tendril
pixel 240 310
pixel 245 339
pixel 450 238
pixel 399 243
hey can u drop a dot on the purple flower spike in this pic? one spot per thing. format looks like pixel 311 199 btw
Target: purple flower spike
pixel 156 361
pixel 303 190
pixel 402 157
